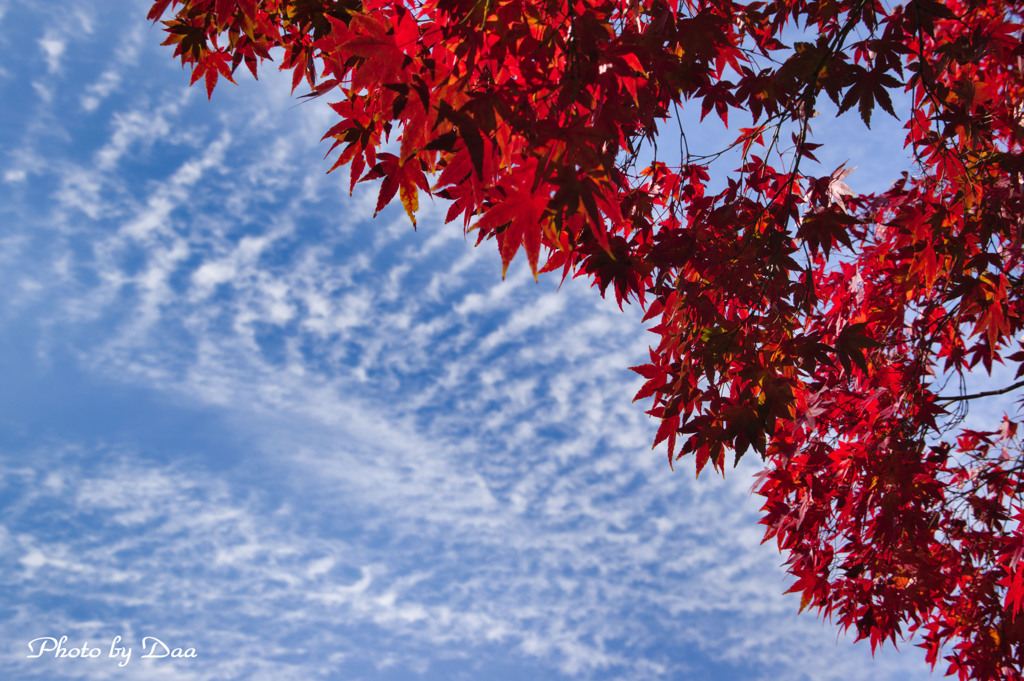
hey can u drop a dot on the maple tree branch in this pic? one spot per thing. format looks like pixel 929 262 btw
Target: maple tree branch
pixel 987 393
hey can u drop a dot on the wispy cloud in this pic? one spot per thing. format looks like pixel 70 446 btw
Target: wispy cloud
pixel 61 28
pixel 167 550
pixel 109 81
pixel 52 46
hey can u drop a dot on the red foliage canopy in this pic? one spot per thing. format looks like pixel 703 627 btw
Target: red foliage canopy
pixel 816 326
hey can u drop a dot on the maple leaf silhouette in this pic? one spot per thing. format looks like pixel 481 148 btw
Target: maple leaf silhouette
pixel 837 189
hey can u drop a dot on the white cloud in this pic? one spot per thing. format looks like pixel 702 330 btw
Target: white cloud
pixel 110 80
pixel 137 126
pixel 53 47
pixel 44 92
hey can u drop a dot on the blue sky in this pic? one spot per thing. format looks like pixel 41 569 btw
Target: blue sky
pixel 239 415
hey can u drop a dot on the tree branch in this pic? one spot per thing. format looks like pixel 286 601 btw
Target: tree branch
pixel 987 393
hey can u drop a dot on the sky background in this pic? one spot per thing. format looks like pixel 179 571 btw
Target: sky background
pixel 241 416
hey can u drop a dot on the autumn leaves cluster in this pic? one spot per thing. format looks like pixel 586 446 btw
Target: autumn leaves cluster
pixel 824 330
